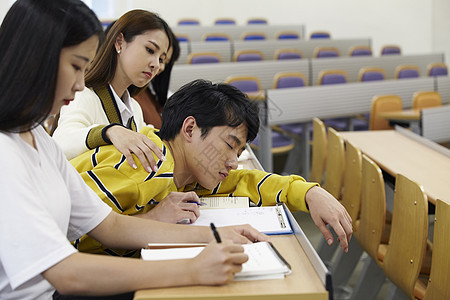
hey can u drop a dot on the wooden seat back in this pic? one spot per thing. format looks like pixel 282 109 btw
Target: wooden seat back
pixel 334 170
pixel 319 151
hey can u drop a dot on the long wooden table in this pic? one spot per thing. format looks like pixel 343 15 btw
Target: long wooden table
pixel 402 152
pixel 309 280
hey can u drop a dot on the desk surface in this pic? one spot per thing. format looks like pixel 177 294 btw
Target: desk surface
pixel 302 283
pixel 396 153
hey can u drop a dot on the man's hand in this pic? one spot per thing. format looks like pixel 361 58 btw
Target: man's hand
pixel 175 207
pixel 325 209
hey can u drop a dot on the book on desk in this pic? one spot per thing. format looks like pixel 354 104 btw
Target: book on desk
pixel 237 211
pixel 264 262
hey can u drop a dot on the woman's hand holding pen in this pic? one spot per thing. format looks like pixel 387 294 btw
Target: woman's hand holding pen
pixel 217 263
pixel 175 207
pixel 129 142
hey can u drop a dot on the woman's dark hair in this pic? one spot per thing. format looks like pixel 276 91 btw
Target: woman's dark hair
pixel 131 24
pixel 33 33
pixel 161 82
pixel 211 105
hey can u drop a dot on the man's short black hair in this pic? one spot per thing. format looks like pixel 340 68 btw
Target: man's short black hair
pixel 211 104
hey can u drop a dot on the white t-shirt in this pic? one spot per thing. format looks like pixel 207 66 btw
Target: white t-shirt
pixel 44 204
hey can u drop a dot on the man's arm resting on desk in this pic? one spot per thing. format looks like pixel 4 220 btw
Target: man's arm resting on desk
pixel 325 209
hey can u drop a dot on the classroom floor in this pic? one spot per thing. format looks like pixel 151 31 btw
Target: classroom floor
pixel 314 235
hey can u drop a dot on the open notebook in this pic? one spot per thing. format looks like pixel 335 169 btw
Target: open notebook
pixel 266 219
pixel 264 262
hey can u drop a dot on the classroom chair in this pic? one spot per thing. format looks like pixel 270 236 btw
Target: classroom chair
pixel 425 99
pixel 188 21
pixel 360 51
pixel 225 21
pixel 287 35
pixel 253 36
pixel 246 84
pixel 323 52
pixel 216 37
pixel 437 69
pixel 437 286
pixel 391 50
pixel 182 38
pixel 256 21
pixel 284 80
pixel 319 151
pixel 320 35
pixel 334 177
pixel 288 53
pixel 383 103
pixel 371 74
pixel 204 58
pixel 407 71
pixel 248 55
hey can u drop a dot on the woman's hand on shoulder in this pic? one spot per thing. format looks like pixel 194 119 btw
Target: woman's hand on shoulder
pixel 128 142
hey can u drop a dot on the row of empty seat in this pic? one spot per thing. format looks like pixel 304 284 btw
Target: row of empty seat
pixel 222 21
pixel 397 248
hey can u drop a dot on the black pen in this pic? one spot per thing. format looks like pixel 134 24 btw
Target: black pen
pixel 216 234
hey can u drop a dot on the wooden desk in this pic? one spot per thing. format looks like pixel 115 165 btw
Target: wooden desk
pixel 401 151
pixel 411 117
pixel 302 283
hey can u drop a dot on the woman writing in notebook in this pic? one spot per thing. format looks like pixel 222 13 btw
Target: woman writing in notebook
pixel 48 202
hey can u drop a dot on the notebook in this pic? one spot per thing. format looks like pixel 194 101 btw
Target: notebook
pixel 264 262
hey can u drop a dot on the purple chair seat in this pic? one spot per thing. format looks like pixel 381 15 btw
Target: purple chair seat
pixel 289 55
pixel 372 76
pixel 438 71
pixel 278 140
pixel 249 57
pixel 327 53
pixel 408 73
pixel 204 60
pixel 333 79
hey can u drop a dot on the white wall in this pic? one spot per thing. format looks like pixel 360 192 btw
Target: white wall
pixel 418 26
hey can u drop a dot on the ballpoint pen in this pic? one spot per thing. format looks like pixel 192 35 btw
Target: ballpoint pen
pixel 216 234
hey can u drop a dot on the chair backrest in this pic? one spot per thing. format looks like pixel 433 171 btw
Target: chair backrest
pixel 438 286
pixel 351 197
pixel 425 99
pixel 248 55
pixel 257 21
pixel 332 77
pixel 373 208
pixel 407 71
pixel 334 170
pixel 212 37
pixel 204 58
pixel 182 37
pixel 246 84
pixel 360 51
pixel 323 52
pixel 383 103
pixel 408 238
pixel 289 80
pixel 391 50
pixel 288 53
pixel 225 21
pixel 320 35
pixel 288 35
pixel 371 74
pixel 188 21
pixel 319 151
pixel 254 36
pixel 437 69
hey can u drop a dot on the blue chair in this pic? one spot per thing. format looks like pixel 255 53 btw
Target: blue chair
pixel 328 77
pixel 288 53
pixel 225 21
pixel 288 35
pixel 320 35
pixel 371 74
pixel 391 50
pixel 182 38
pixel 248 55
pixel 188 21
pixel 360 51
pixel 216 37
pixel 246 84
pixel 322 52
pixel 437 69
pixel 407 71
pixel 257 21
pixel 204 58
pixel 254 36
